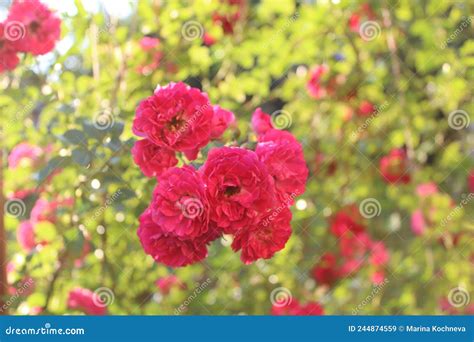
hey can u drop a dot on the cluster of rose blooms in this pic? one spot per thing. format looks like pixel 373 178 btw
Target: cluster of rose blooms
pixel 237 191
pixel 30 28
pixel 356 247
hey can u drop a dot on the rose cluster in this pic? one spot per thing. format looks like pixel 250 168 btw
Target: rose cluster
pixel 356 249
pixel 237 191
pixel 30 27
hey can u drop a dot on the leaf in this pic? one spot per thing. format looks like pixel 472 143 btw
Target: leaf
pixel 52 165
pixel 75 136
pixel 81 156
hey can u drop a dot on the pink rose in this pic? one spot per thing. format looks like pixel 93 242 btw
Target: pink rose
pixel 426 189
pixel 175 116
pixel 418 223
pixel 42 27
pixel 167 248
pixel 152 159
pixel 240 189
pixel 149 43
pixel 87 301
pixel 285 161
pixel 261 121
pixel 26 236
pixel 24 151
pixel 379 254
pixel 179 205
pixel 264 239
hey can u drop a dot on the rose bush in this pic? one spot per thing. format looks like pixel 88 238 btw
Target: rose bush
pixel 236 157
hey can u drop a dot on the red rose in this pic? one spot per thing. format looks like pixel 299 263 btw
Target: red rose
pixel 394 167
pixel 168 248
pixel 240 189
pixel 326 271
pixel 354 22
pixel 39 28
pixel 261 121
pixel 176 116
pixel 355 246
pixel 264 239
pixel 285 161
pixel 208 39
pixel 179 204
pixel 314 86
pixel 152 159
pixel 347 219
pixel 8 57
pixel 366 108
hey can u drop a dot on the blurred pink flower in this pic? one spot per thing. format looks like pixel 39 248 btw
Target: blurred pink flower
pixel 149 43
pixel 87 301
pixel 165 284
pixel 24 151
pixel 426 189
pixel 418 223
pixel 26 235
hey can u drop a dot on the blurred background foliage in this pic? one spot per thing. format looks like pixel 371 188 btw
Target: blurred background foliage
pixel 412 71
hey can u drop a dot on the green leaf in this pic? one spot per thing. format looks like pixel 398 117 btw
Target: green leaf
pixel 81 156
pixel 75 136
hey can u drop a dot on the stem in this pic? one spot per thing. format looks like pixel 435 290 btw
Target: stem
pixel 52 283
